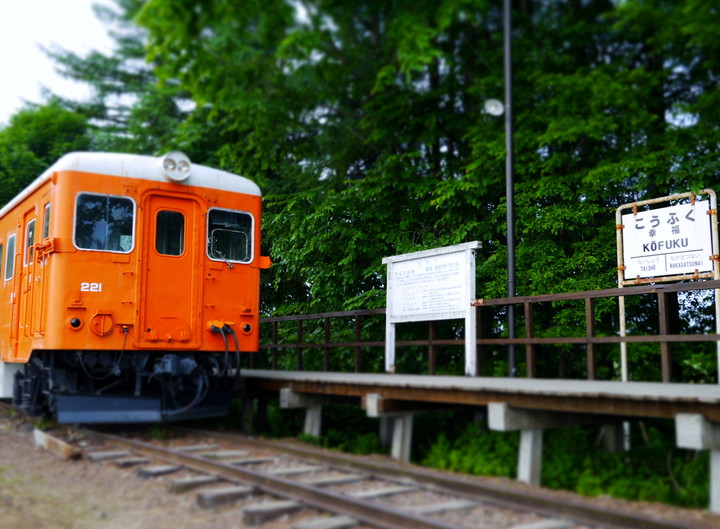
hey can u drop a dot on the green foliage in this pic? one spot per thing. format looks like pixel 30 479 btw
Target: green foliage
pixel 45 423
pixel 284 423
pixel 362 121
pixel 34 139
pixel 653 470
pixel 345 427
pixel 573 457
pixel 159 433
pixel 475 451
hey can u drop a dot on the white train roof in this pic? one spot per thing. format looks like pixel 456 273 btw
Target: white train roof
pixel 140 167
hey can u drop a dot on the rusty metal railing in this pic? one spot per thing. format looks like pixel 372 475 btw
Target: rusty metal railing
pixel 589 338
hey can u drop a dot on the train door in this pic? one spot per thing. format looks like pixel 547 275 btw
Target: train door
pixel 40 264
pixel 10 275
pixel 26 277
pixel 173 246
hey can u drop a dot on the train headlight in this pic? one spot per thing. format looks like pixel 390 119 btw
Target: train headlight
pixel 176 166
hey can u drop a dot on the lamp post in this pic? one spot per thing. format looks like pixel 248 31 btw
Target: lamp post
pixel 509 185
pixel 497 108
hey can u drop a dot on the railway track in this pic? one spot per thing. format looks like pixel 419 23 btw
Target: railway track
pixel 351 490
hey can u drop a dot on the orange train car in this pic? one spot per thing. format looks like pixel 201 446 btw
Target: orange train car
pixel 130 287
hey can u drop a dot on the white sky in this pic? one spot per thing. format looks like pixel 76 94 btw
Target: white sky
pixel 25 25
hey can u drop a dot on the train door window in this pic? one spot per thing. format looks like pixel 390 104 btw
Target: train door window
pixel 46 221
pixel 229 235
pixel 170 232
pixel 29 241
pixel 104 222
pixel 10 258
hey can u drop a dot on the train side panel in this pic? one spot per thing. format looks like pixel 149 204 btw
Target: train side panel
pixel 24 279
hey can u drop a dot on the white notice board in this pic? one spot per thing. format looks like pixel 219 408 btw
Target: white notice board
pixel 436 284
pixel 432 287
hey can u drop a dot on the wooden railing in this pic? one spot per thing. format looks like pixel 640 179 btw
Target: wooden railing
pixel 589 338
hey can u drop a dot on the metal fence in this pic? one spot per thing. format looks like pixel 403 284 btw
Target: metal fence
pixel 589 338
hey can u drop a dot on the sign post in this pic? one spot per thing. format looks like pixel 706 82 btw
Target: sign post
pixel 432 285
pixel 672 243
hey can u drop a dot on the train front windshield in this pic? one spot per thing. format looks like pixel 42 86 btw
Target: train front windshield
pixel 229 236
pixel 104 223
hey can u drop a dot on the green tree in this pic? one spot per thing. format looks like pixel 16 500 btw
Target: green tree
pixel 129 110
pixel 362 121
pixel 35 138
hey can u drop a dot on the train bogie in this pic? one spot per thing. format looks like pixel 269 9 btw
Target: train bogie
pixel 130 286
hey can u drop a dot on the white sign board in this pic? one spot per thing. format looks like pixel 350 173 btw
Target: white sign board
pixel 669 241
pixel 432 285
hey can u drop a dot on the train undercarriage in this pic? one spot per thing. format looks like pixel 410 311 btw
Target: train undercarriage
pixel 122 386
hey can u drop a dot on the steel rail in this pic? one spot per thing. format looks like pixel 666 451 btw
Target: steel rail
pixel 373 514
pixel 496 493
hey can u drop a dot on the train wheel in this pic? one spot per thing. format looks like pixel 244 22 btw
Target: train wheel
pixel 30 390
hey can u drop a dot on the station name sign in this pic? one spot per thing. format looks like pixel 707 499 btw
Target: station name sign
pixel 673 242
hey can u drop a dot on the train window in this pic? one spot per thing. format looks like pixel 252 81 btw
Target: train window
pixel 170 232
pixel 46 221
pixel 104 222
pixel 229 236
pixel 29 241
pixel 10 258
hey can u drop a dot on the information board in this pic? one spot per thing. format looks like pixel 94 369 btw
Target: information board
pixel 668 241
pixel 432 285
pixel 429 287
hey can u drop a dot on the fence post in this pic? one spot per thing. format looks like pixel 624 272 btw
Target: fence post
pixel 478 352
pixel 327 341
pixel 529 348
pixel 590 333
pixel 432 348
pixel 664 344
pixel 358 339
pixel 275 340
pixel 299 349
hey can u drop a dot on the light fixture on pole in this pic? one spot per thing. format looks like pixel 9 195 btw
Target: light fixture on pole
pixel 494 107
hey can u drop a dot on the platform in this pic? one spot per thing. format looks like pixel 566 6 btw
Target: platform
pixel 622 399
pixel 526 405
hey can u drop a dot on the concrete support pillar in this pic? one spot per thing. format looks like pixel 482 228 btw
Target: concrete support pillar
pixel 312 404
pixel 715 480
pixel 531 423
pixel 530 457
pixel 503 418
pixel 694 432
pixel 246 418
pixel 402 437
pixel 261 417
pixel 313 421
pixel 612 437
pixel 396 414
pixel 385 434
